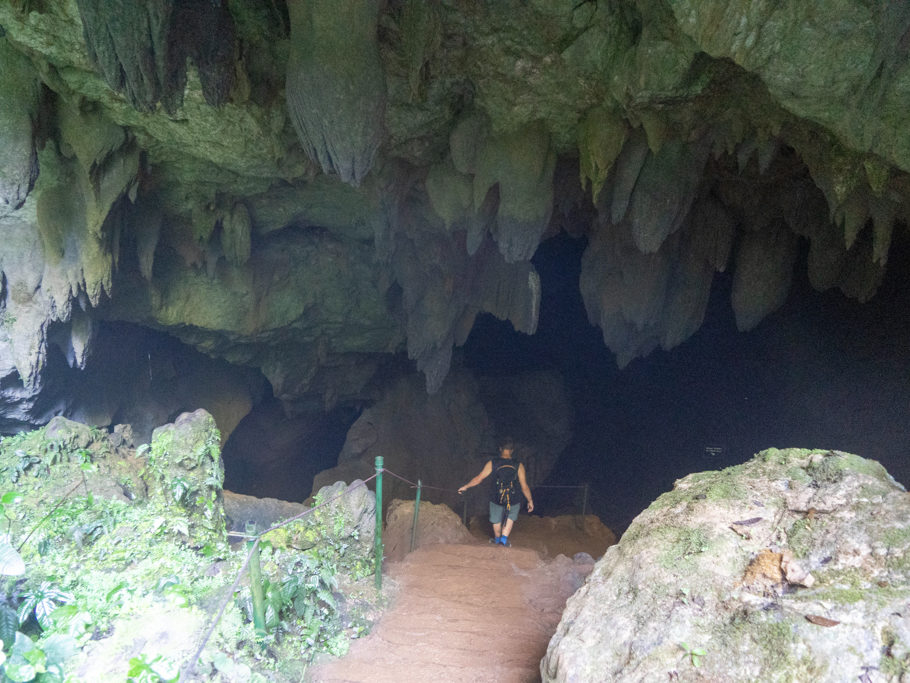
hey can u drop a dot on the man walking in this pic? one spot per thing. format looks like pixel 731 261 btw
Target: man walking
pixel 504 498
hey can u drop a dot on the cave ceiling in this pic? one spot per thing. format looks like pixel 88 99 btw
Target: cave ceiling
pixel 307 187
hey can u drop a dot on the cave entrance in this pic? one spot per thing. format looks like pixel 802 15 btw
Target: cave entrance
pixel 823 371
pixel 271 454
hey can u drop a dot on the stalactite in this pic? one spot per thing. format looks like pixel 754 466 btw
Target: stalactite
pixel 236 227
pixel 764 271
pixel 522 164
pixel 335 84
pixel 601 136
pixel 451 194
pixel 664 192
pixel 143 52
pixel 18 110
pixel 146 222
pixel 628 166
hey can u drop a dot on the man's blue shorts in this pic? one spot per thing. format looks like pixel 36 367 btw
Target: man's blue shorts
pixel 497 510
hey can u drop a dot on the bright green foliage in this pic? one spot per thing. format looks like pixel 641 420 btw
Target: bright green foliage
pixel 95 566
pixel 158 669
pixel 693 653
pixel 42 602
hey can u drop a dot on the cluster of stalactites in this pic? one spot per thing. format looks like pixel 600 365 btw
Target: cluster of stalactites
pixel 444 288
pixel 19 94
pixel 143 51
pixel 62 246
pixel 497 185
pixel 666 224
pixel 335 85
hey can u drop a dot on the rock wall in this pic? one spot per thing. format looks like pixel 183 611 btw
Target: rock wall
pixel 307 187
pixel 792 566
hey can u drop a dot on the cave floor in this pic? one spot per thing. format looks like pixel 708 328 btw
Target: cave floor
pixel 463 613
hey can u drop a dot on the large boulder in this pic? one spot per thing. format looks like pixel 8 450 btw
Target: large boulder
pixel 435 524
pixel 790 567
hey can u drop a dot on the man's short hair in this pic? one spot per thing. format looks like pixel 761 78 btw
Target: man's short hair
pixel 507 444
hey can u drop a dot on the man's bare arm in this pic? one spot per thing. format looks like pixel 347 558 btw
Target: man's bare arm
pixel 524 487
pixel 484 473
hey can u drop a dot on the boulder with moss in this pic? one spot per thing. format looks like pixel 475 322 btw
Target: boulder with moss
pixel 790 567
pixel 185 473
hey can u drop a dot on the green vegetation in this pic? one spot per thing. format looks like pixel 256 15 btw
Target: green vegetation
pixel 81 566
pixel 799 536
pixel 831 468
pixel 693 653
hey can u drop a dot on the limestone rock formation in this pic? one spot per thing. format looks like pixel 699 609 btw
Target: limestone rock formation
pixel 18 113
pixel 435 524
pixel 143 51
pixel 307 188
pixel 335 84
pixel 792 566
pixel 444 439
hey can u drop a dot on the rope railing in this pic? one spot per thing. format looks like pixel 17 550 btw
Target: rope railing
pixel 253 539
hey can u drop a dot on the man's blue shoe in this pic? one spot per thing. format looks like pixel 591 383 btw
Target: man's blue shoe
pixel 495 540
pixel 504 540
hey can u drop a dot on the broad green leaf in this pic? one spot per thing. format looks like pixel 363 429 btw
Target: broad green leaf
pixel 59 648
pixel 43 609
pixel 11 563
pixel 9 624
pixel 26 607
pixel 166 668
pixel 11 498
pixel 20 671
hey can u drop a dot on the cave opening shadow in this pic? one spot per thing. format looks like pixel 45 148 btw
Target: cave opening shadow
pixel 823 371
pixel 271 455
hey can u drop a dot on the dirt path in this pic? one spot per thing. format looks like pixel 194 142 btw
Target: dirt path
pixel 463 613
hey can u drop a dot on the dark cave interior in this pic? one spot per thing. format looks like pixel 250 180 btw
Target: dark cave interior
pixel 821 372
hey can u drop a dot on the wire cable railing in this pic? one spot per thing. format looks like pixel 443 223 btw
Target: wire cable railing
pixel 253 539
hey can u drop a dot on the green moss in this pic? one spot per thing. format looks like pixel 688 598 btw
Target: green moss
pixel 726 488
pixel 768 637
pixel 832 468
pixel 798 474
pixel 896 537
pixel 799 537
pixel 681 545
pixel 785 456
pixel 895 661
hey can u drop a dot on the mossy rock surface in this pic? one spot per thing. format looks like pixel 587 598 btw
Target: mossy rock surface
pixel 128 578
pixel 186 474
pixel 789 567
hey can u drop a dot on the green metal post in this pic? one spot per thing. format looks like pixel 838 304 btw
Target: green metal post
pixel 416 516
pixel 256 584
pixel 378 539
pixel 584 503
pixel 464 511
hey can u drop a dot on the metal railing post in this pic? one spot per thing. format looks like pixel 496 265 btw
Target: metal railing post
pixel 378 538
pixel 416 516
pixel 256 584
pixel 464 510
